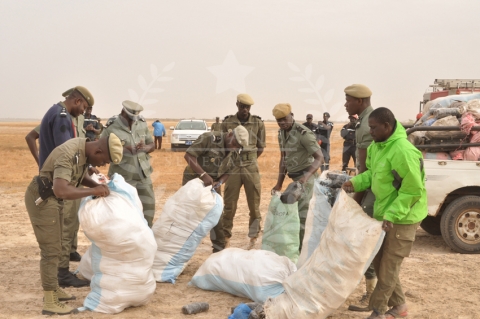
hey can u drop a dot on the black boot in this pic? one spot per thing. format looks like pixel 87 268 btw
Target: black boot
pixel 75 256
pixel 67 279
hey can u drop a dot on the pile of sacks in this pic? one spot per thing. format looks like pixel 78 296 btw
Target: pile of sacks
pixel 455 110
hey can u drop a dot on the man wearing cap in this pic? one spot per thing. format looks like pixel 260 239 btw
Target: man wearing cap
pixel 300 158
pixel 210 159
pixel 59 125
pixel 349 146
pixel 217 126
pixel 137 143
pixel 357 98
pixel 58 180
pixel 245 171
pixel 309 123
pixel 325 128
pixel 158 132
pixel 90 124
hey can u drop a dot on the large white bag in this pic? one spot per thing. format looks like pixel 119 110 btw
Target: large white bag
pixel 254 274
pixel 187 217
pixel 85 266
pixel 347 247
pixel 317 219
pixel 122 249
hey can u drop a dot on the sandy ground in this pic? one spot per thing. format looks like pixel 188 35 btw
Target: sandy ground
pixel 438 282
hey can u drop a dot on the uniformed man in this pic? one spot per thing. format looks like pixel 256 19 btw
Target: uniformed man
pixel 90 124
pixel 58 125
pixel 137 143
pixel 245 171
pixel 63 170
pixel 217 126
pixel 357 98
pixel 210 159
pixel 309 123
pixel 349 146
pixel 300 158
pixel 324 129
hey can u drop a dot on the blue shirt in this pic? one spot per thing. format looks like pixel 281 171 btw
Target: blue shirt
pixel 55 129
pixel 158 129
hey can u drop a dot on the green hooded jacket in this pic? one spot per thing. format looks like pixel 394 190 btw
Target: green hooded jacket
pixel 397 178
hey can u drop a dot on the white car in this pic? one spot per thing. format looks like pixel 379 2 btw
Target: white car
pixel 186 132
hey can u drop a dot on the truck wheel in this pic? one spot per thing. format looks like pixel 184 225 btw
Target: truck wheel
pixel 431 224
pixel 460 225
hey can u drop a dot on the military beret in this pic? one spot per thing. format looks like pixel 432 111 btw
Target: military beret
pixel 359 91
pixel 281 110
pixel 326 114
pixel 245 99
pixel 115 148
pixel 132 109
pixel 241 135
pixel 309 116
pixel 84 92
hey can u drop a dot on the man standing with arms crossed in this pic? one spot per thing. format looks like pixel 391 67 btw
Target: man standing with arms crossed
pixel 396 176
pixel 357 98
pixel 245 171
pixel 300 158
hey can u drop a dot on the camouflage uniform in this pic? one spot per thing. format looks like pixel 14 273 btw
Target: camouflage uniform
pixel 246 173
pixel 135 168
pixel 209 149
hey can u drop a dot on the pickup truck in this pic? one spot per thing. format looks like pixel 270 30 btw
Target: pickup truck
pixel 453 194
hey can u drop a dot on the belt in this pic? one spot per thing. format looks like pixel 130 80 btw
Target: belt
pixel 293 175
pixel 248 156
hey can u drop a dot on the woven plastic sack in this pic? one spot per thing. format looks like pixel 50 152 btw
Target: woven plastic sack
pixel 281 230
pixel 317 219
pixel 446 121
pixel 253 274
pixel 122 249
pixel 347 247
pixel 187 217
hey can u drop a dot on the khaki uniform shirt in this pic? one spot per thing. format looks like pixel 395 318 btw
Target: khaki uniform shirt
pixel 216 127
pixel 78 122
pixel 363 138
pixel 209 149
pixel 67 161
pixel 299 144
pixel 132 166
pixel 256 137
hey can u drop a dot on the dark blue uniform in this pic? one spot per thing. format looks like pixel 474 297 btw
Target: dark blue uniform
pixel 94 121
pixel 56 128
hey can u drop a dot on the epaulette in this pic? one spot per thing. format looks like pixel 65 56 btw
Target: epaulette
pixel 301 130
pixel 63 112
pixel 141 118
pixel 258 117
pixel 226 117
pixel 111 120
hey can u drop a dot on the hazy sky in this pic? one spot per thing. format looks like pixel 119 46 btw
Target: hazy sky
pixel 184 59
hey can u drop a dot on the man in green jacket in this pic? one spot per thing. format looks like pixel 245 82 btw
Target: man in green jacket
pixel 397 178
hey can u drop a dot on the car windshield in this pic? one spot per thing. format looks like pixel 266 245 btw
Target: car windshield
pixel 191 125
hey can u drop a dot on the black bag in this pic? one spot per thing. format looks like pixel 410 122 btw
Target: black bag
pixel 45 187
pixel 292 193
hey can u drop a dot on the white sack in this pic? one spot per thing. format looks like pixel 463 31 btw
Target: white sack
pixel 122 249
pixel 187 217
pixel 330 275
pixel 254 274
pixel 317 219
pixel 85 265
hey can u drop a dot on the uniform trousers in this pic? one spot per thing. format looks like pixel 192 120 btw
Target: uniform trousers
pixel 147 197
pixel 348 152
pixel 249 177
pixel 69 231
pixel 47 223
pixel 304 202
pixel 397 245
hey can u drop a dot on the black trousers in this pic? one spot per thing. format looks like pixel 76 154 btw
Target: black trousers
pixel 348 151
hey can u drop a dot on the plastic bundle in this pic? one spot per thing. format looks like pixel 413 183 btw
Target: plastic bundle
pixel 441 113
